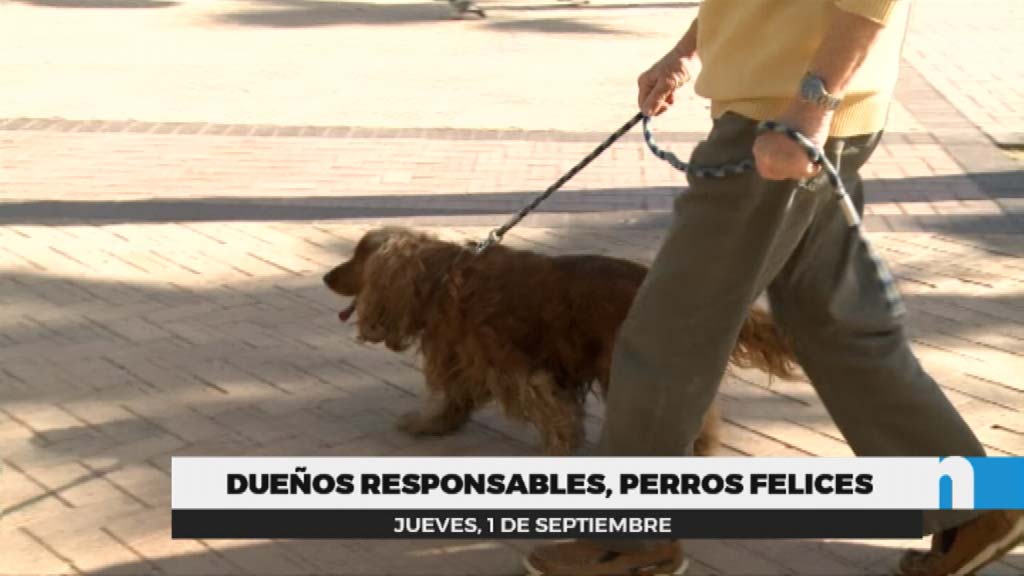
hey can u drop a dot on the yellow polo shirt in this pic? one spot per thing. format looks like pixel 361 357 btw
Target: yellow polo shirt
pixel 755 52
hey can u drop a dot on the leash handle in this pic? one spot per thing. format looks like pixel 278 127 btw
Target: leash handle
pixel 496 235
pixel 814 154
pixel 817 156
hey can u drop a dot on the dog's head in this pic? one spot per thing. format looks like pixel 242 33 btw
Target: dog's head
pixel 386 280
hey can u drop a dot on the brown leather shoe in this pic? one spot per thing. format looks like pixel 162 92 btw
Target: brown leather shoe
pixel 584 558
pixel 969 547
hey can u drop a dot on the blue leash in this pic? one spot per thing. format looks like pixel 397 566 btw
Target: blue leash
pixel 713 172
pixel 817 157
pixel 814 153
pixel 743 166
pixel 498 233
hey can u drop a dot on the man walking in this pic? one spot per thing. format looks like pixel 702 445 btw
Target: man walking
pixel 828 69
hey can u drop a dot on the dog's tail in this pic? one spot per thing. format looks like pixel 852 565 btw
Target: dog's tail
pixel 763 346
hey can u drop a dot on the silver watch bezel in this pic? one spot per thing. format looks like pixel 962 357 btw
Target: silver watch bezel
pixel 813 90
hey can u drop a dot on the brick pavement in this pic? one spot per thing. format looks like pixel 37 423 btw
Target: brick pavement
pixel 159 282
pixel 982 82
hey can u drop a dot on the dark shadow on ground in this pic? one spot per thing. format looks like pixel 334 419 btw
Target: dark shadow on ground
pixel 551 26
pixel 253 426
pixel 239 360
pixel 590 6
pixel 313 13
pixel 101 3
pixel 442 557
pixel 323 208
pixel 1000 184
pixel 394 557
pixel 490 207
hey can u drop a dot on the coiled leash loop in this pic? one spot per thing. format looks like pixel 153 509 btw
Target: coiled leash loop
pixel 747 165
pixel 814 153
pixel 816 156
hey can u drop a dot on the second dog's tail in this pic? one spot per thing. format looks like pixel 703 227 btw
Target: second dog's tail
pixel 763 346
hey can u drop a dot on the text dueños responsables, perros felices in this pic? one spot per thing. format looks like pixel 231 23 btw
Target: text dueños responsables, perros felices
pixel 302 482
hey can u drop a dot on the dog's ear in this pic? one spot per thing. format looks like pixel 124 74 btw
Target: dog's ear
pixel 389 305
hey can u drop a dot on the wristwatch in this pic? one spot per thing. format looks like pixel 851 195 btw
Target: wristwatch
pixel 812 90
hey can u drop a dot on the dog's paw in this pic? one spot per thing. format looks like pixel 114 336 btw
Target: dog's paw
pixel 417 423
pixel 413 423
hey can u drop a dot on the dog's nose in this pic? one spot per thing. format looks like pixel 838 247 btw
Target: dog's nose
pixel 327 278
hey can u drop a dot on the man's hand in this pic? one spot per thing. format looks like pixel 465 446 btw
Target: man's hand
pixel 659 83
pixel 778 157
pixel 657 86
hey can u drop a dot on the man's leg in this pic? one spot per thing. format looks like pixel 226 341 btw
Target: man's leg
pixel 833 303
pixel 728 240
pixel 831 300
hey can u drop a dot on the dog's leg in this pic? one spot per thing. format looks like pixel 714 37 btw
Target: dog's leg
pixel 454 398
pixel 555 411
pixel 438 418
pixel 564 435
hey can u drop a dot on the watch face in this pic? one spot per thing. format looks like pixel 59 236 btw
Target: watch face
pixel 813 90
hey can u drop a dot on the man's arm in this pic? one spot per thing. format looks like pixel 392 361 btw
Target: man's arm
pixel 855 27
pixel 658 84
pixel 848 42
pixel 687 46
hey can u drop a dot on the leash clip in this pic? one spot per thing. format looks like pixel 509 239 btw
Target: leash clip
pixel 492 238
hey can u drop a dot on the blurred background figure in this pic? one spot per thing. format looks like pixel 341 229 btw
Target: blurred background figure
pixel 463 8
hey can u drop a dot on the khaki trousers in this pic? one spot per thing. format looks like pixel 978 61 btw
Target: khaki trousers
pixel 730 241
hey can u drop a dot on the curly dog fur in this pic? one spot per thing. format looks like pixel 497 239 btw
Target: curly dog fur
pixel 529 331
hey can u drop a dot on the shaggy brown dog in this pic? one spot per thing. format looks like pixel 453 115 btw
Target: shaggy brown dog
pixel 529 331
